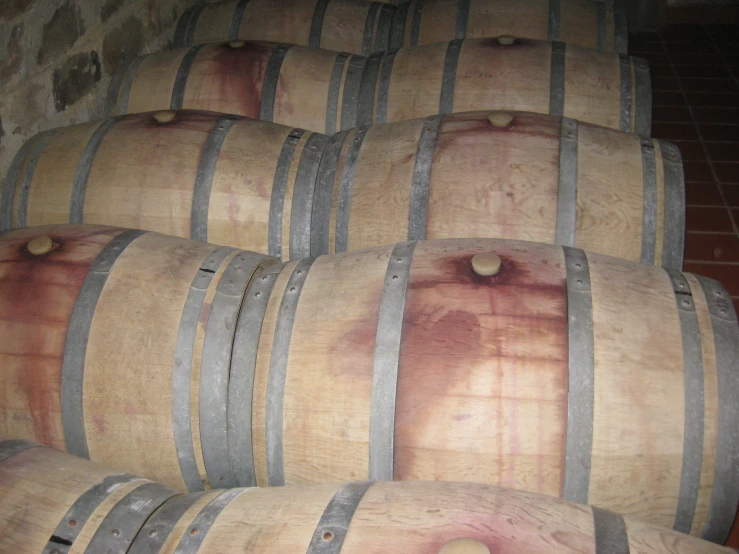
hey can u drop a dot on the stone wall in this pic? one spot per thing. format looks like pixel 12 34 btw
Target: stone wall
pixel 57 58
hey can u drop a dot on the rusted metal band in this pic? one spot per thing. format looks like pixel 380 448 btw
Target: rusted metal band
pixel 649 202
pixel 316 24
pixel 386 73
pixel 386 363
pixel 416 22
pixel 120 527
pixel 204 176
pixel 269 84
pixel 278 372
pixel 243 368
pixel 553 23
pixel 334 85
pixel 159 526
pixel 75 346
pixel 626 102
pixel 419 201
pixel 79 185
pixel 11 181
pixel 674 219
pixel 63 537
pixel 25 189
pixel 449 76
pixel 344 201
pixel 350 99
pixel 621 33
pixel 279 187
pixel 216 365
pixel 193 538
pixel 236 18
pixel 397 31
pixel 321 218
pixel 581 395
pixel 384 23
pixel 567 193
pixel 183 72
pixel 600 14
pixel 369 28
pixel 610 532
pixel 11 447
pixel 557 80
pixel 725 493
pixel 367 89
pixel 302 202
pixel 182 370
pixel 643 94
pixel 119 90
pixel 328 538
pixel 694 422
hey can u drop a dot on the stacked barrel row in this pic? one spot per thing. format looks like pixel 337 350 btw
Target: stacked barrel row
pixel 359 323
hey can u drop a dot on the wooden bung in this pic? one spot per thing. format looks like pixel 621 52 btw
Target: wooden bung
pixel 464 546
pixel 506 40
pixel 486 264
pixel 222 361
pixel 164 116
pixel 500 119
pixel 40 245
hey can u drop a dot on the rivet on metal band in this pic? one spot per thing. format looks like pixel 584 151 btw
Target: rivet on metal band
pixel 328 538
pixel 694 424
pixel 344 200
pixel 332 100
pixel 581 396
pixel 600 11
pixel 302 201
pixel 316 24
pixel 159 526
pixel 279 187
pixel 366 103
pixel 25 187
pixel 278 371
pixel 243 368
pixel 626 102
pixel 121 525
pixel 11 447
pixel 350 99
pixel 463 14
pixel 725 494
pixel 204 176
pixel 386 73
pixel 196 532
pixel 384 23
pixel 63 537
pixel 557 79
pixel 182 369
pixel 321 218
pixel 269 84
pixel 567 193
pixel 75 346
pixel 449 76
pixel 180 82
pixel 397 31
pixel 216 365
pixel 119 91
pixel 79 185
pixel 422 167
pixel 621 35
pixel 11 181
pixel 674 218
pixel 416 22
pixel 553 24
pixel 369 28
pixel 236 18
pixel 610 532
pixel 643 93
pixel 386 363
pixel 649 202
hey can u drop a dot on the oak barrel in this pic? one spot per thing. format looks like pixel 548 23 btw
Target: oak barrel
pixel 52 500
pixel 258 185
pixel 509 363
pixel 326 91
pixel 364 27
pixel 200 175
pixel 503 174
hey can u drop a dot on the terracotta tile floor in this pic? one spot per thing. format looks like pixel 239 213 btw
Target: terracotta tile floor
pixel 695 80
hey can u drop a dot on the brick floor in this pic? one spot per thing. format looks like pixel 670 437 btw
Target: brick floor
pixel 695 80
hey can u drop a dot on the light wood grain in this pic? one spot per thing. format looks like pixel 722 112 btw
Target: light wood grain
pixel 153 82
pixel 277 21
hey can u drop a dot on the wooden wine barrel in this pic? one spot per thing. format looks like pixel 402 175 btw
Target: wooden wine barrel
pixel 106 334
pixel 201 175
pixel 257 185
pixel 325 91
pixel 363 27
pixel 53 501
pixel 503 174
pixel 509 363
